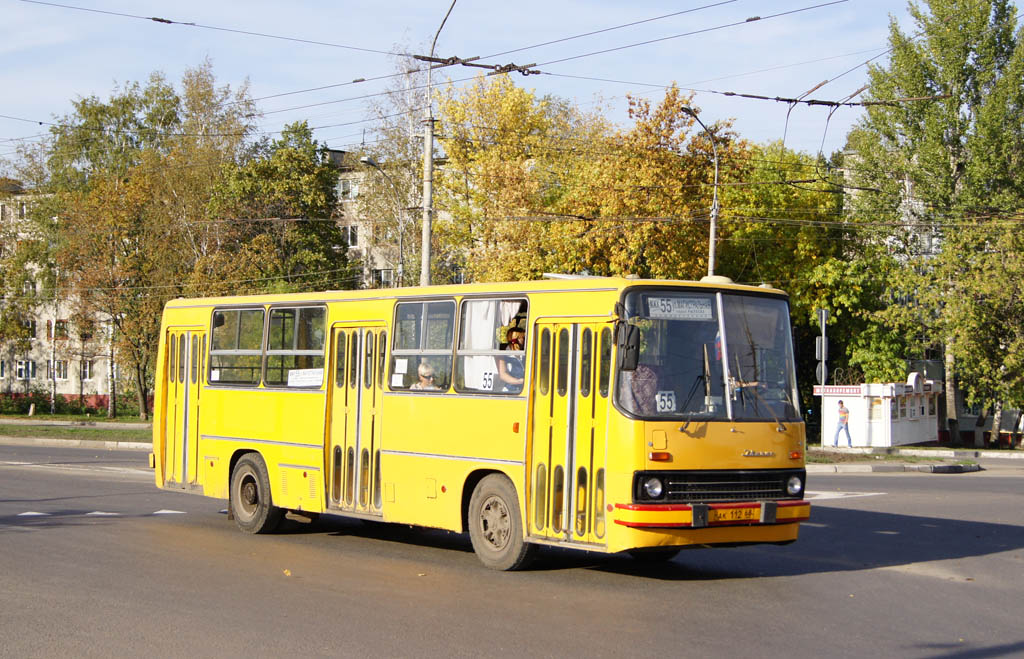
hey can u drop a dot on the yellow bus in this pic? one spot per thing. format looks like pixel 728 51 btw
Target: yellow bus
pixel 604 414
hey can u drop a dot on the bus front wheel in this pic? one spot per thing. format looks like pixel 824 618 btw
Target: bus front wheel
pixel 251 504
pixel 495 527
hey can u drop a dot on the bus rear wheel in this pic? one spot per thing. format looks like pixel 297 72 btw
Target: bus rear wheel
pixel 495 527
pixel 251 504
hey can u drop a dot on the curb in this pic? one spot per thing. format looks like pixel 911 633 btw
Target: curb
pixel 891 468
pixel 958 454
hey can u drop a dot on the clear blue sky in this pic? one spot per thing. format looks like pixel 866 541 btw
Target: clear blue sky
pixel 53 54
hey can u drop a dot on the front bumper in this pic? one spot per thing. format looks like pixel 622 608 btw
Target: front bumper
pixel 703 515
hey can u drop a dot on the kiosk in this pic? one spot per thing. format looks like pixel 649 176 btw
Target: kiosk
pixel 889 414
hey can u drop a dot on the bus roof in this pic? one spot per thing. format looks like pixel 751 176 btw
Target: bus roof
pixel 567 284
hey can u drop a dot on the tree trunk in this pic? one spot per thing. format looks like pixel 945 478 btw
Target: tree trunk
pixel 997 419
pixel 140 387
pixel 952 412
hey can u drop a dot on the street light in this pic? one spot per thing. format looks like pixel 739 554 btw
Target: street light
pixel 370 162
pixel 714 201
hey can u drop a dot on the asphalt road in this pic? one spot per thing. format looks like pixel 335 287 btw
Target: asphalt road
pixel 908 565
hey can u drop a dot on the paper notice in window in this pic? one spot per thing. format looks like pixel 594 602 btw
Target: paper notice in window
pixel 305 377
pixel 401 366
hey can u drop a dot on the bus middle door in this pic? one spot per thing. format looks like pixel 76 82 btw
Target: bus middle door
pixel 353 458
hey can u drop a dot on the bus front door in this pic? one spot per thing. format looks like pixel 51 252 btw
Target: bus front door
pixel 570 406
pixel 186 351
pixel 353 450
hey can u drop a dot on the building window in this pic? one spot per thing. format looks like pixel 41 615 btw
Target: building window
pixel 86 369
pixel 29 327
pixel 3 368
pixel 383 278
pixel 351 234
pixel 57 370
pixel 29 287
pixel 60 329
pixel 348 188
pixel 22 210
pixel 26 369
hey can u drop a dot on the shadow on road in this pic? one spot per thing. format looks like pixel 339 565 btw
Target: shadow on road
pixel 840 540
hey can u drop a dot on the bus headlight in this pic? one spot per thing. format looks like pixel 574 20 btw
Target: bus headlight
pixel 653 487
pixel 794 486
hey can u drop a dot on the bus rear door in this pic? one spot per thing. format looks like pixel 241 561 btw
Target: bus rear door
pixel 186 351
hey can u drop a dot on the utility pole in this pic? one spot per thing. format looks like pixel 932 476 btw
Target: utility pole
pixel 714 200
pixel 428 168
pixel 821 348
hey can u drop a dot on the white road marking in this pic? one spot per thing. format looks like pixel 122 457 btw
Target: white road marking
pixel 66 467
pixel 817 496
pixel 33 514
pixel 98 513
pixel 169 512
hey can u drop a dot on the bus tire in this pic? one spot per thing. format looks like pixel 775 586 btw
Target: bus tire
pixel 495 527
pixel 251 504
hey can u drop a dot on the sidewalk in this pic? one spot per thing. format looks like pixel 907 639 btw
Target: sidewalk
pixel 948 461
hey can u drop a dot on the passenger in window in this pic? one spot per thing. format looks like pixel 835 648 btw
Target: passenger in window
pixel 426 378
pixel 510 369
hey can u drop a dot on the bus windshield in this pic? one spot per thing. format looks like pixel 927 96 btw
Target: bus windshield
pixel 687 371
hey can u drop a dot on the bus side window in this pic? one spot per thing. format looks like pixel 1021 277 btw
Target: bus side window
pixel 295 347
pixel 423 334
pixel 194 367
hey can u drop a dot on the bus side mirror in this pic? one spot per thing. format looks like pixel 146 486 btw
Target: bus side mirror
pixel 629 346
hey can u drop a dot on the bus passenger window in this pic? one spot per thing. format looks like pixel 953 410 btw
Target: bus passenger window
pixel 236 346
pixel 492 346
pixel 295 349
pixel 194 370
pixel 422 341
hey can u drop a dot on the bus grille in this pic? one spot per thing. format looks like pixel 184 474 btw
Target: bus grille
pixel 719 486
